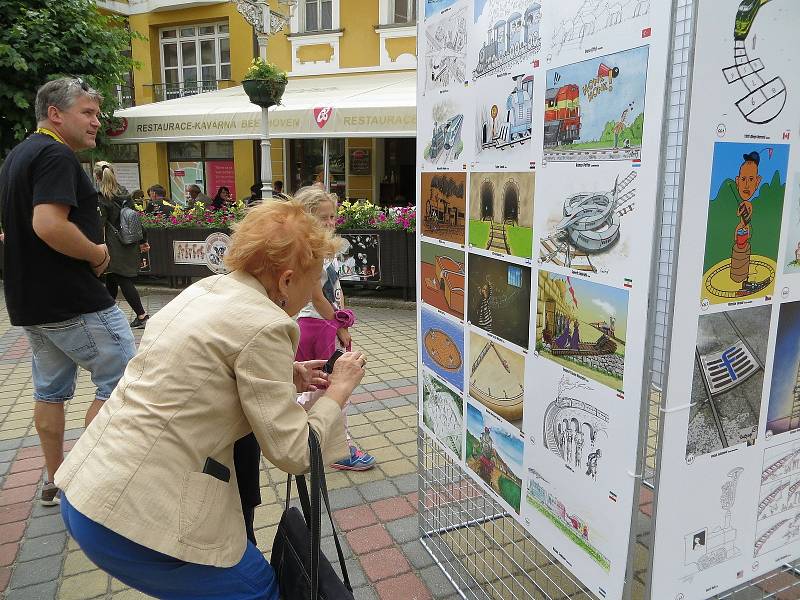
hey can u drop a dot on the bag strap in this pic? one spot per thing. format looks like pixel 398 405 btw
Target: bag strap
pixel 316 451
pixel 316 529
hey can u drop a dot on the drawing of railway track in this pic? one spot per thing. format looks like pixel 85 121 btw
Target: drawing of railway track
pixel 497 238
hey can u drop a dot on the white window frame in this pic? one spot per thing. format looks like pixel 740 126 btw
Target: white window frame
pixel 297 22
pixel 319 16
pixel 197 38
pixel 386 12
pixel 411 7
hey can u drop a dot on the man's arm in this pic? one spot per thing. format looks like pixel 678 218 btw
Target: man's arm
pixel 51 224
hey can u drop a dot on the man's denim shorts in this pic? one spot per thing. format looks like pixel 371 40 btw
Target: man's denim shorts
pixel 99 342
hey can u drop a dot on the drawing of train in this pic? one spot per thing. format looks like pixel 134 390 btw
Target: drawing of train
pixel 509 38
pixel 562 115
pixel 516 126
pixel 446 136
pixel 745 17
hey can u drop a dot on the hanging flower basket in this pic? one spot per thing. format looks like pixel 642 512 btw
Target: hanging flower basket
pixel 264 92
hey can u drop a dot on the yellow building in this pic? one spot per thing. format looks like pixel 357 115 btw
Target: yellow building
pixel 333 51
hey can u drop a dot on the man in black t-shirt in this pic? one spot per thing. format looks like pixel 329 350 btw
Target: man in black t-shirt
pixel 53 256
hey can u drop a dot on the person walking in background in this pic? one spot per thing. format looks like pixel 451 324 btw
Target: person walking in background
pixel 323 321
pixel 277 191
pixel 196 195
pixel 53 256
pixel 222 200
pixel 157 204
pixel 125 254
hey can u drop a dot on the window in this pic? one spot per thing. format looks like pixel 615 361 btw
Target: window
pixel 206 164
pixel 318 15
pixel 194 57
pixel 403 11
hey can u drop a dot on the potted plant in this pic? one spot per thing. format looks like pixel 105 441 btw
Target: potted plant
pixel 264 83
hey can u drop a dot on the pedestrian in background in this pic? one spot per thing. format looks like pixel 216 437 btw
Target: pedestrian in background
pixel 125 256
pixel 222 199
pixel 53 256
pixel 157 205
pixel 277 191
pixel 324 321
pixel 197 195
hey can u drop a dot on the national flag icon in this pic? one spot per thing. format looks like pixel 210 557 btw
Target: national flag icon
pixel 647 32
pixel 612 496
pixel 628 283
pixel 572 292
pixel 636 162
pixel 786 134
pixel 620 394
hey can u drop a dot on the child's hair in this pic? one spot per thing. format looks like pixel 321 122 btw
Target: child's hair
pixel 312 196
pixel 104 173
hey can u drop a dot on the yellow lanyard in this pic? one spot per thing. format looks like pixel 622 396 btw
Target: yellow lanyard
pixel 49 133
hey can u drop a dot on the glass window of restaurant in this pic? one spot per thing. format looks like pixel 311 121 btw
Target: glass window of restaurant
pixel 307 164
pixel 397 171
pixel 206 164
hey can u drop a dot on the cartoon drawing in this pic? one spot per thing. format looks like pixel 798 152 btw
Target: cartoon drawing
pixel 704 549
pixel 765 97
pixel 570 523
pixel 433 7
pixel 791 255
pixel 778 513
pixel 446 51
pixel 581 325
pixel 443 347
pixel 594 109
pixel 512 34
pixel 495 454
pixel 728 376
pixel 442 273
pixel 445 144
pixel 443 412
pixel 496 378
pixel 498 298
pixel 444 206
pixel 589 226
pixel 508 128
pixel 783 413
pixel 501 212
pixel 570 422
pixel 744 221
pixel 593 18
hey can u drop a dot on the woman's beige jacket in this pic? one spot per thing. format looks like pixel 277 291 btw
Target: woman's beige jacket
pixel 213 365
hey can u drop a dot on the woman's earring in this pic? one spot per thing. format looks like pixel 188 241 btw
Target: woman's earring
pixel 283 303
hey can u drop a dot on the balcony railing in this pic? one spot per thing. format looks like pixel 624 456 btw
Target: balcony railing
pixel 125 96
pixel 168 91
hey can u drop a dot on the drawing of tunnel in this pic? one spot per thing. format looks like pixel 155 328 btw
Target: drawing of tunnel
pixel 509 206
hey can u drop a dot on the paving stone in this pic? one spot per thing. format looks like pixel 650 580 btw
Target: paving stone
pixel 328 547
pixel 73 434
pixel 417 555
pixel 4 468
pixel 11 444
pixel 37 571
pixel 407 483
pixel 7 455
pixel 404 530
pixel 345 498
pixel 354 572
pixel 383 564
pixel 40 510
pixel 11 532
pixel 407 587
pixel 77 562
pixel 370 406
pixel 28 464
pixel 85 585
pixel 399 467
pixel 378 490
pixel 19 479
pixel 47 545
pixel 30 441
pixel 374 442
pixel 42 591
pixel 402 436
pixel 8 552
pixel 437 581
pixel 45 526
pixel 395 402
pixel 393 508
pixel 371 387
pixel 12 513
pixel 365 593
pixel 386 454
pixel 353 518
pixel 368 539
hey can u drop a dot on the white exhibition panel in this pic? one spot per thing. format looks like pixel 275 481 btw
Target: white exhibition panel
pixel 728 494
pixel 539 148
pixel 369 105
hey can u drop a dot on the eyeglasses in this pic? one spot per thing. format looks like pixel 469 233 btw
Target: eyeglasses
pixel 80 83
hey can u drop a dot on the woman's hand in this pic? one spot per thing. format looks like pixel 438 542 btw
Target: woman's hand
pixel 144 247
pixel 309 377
pixel 347 374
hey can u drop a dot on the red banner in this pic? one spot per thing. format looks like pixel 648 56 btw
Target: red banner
pixel 220 173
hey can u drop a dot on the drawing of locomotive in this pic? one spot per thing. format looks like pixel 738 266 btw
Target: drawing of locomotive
pixel 446 136
pixel 745 16
pixel 516 124
pixel 509 39
pixel 562 115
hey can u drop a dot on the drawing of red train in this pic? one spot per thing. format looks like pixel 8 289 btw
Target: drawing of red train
pixel 562 115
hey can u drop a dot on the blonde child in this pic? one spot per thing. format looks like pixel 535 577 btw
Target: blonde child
pixel 324 321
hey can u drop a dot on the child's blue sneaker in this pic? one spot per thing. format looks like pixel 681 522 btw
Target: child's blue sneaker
pixel 358 461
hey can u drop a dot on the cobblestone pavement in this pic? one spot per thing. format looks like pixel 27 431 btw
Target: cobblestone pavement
pixel 375 511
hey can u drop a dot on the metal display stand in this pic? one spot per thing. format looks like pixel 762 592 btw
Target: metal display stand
pixel 482 549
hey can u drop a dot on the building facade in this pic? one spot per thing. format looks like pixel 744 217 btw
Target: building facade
pixel 193 47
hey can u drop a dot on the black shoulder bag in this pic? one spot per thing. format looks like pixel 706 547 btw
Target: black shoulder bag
pixel 302 570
